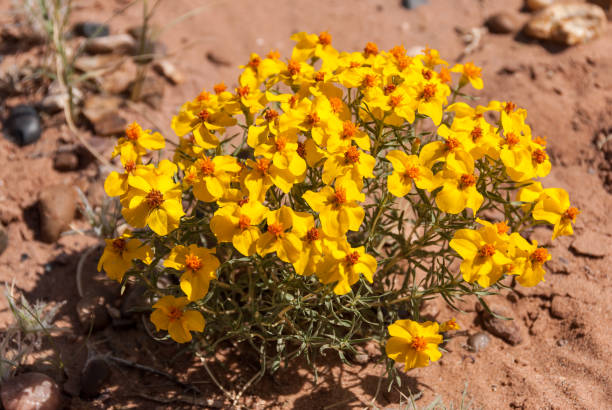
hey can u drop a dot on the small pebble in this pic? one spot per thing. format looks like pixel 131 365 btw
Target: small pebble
pixel 23 125
pixel 411 4
pixel 478 341
pixel 91 30
pixel 501 23
pixel 29 391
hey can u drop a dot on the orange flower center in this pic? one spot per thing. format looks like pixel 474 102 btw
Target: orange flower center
pixel 280 143
pixel 263 165
pixel 348 129
pixel 129 167
pixel 276 229
pixel 132 132
pixel 313 118
pixel 371 49
pixel 395 100
pixel 502 228
pixel 325 38
pixel 540 140
pixel 243 91
pixel 467 180
pixel 207 167
pixel 445 75
pixel 403 62
pixel 336 104
pixel 539 156
pixel 397 51
pixel 452 144
pixel 312 234
pixel 119 245
pixel 369 80
pixel 203 96
pixel 293 67
pixel 476 134
pixel 389 89
pixel 273 55
pixel 412 172
pixel 219 88
pixel 293 101
pixel 320 76
pixel 244 222
pixel 427 74
pixel 539 255
pixel 193 262
pixel 419 343
pixel 429 91
pixel 340 196
pixel 270 115
pixel 243 201
pixel 154 199
pixel 470 70
pixel 174 314
pixel 351 156
pixel 512 139
pixel 355 64
pixel 255 61
pixel 509 107
pixel 571 214
pixel 352 258
pixel 487 250
pixel 203 115
pixel 301 149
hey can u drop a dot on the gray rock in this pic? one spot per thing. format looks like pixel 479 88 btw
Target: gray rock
pixel 98 62
pixel 567 23
pixel 93 377
pixel 166 69
pixel 411 4
pixel 29 391
pixel 23 125
pixel 3 239
pixel 116 44
pixel 502 23
pixel 506 330
pixel 478 341
pixel 56 205
pixel 65 161
pixel 91 30
pixel 92 313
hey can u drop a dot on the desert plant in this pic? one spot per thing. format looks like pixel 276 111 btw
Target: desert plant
pixel 354 186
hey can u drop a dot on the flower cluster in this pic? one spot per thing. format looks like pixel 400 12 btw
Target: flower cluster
pixel 331 151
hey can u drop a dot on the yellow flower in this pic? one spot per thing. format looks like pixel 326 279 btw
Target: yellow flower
pixel 312 244
pixel 431 97
pixel 119 253
pixel 449 325
pixel 311 45
pixel 348 163
pixel 205 123
pixel 155 200
pixel 117 184
pixel 406 169
pixel 343 265
pixel 140 140
pixel 350 132
pixel 458 188
pixel 264 173
pixel 469 73
pixel 413 344
pixel 170 314
pixel 431 57
pixel 198 266
pixel 281 149
pixel 483 252
pixel 527 260
pixel 237 223
pixel 553 206
pixel 278 238
pixel 337 207
pixel 212 176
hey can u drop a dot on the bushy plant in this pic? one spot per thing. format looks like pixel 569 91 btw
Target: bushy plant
pixel 321 202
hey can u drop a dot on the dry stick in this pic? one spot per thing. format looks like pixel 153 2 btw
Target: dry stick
pixel 168 376
pixel 59 67
pixel 227 394
pixel 216 404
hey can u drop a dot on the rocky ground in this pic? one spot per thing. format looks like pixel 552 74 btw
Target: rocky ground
pixel 555 354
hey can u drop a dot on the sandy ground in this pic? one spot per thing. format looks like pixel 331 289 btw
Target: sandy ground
pixel 562 363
